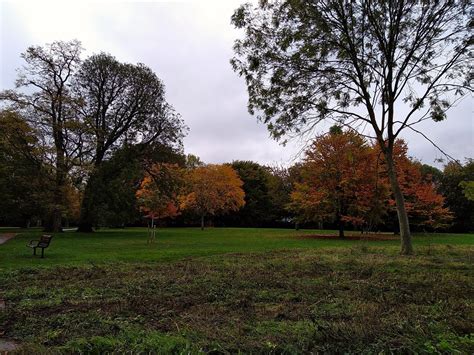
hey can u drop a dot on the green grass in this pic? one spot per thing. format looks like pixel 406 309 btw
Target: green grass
pixel 129 245
pixel 231 290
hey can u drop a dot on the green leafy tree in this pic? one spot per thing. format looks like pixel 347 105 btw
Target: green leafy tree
pixel 123 104
pixel 267 192
pixel 354 62
pixel 280 187
pixel 454 177
pixel 24 181
pixel 430 172
pixel 44 98
pixel 257 211
pixel 468 189
pixel 119 178
pixel 193 161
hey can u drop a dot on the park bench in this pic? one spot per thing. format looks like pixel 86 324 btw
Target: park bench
pixel 42 243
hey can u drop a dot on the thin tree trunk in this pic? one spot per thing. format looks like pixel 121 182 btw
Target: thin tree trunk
pixel 405 235
pixel 340 224
pixel 341 231
pixel 25 222
pixel 202 222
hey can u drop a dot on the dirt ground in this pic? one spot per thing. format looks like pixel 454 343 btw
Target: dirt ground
pixel 353 236
pixel 4 237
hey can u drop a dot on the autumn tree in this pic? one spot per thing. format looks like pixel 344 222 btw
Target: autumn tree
pixel 356 62
pixel 158 195
pixel 123 103
pixel 119 177
pixel 339 182
pixel 44 98
pixel 212 190
pixel 344 180
pixel 426 207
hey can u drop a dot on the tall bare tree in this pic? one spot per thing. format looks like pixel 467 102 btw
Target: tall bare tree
pixel 385 64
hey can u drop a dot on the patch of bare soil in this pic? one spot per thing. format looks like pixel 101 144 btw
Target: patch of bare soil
pixel 4 237
pixel 6 345
pixel 367 237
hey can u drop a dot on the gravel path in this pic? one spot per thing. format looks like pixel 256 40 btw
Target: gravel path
pixel 4 237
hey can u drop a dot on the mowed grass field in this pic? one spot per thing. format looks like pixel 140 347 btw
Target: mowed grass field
pixel 237 290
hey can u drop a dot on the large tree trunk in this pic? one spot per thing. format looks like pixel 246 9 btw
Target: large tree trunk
pixel 405 235
pixel 340 225
pixel 341 230
pixel 54 223
pixel 86 219
pixel 339 213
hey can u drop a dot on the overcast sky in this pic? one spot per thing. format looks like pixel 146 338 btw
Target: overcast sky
pixel 188 44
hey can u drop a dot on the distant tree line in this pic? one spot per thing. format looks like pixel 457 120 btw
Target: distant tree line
pixel 340 184
pixel 341 179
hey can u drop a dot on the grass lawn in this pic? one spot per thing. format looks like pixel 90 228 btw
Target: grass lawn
pixel 231 290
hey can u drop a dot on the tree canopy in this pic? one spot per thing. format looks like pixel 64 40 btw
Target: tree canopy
pixel 357 63
pixel 212 190
pixel 122 104
pixel 84 111
pixel 340 182
pixel 344 181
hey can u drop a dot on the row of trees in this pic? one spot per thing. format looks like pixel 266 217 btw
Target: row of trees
pixel 68 116
pixel 343 179
pixel 342 182
pixel 205 190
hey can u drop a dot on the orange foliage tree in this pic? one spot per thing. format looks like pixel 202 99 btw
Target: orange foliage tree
pixel 344 180
pixel 425 207
pixel 212 190
pixel 159 191
pixel 339 182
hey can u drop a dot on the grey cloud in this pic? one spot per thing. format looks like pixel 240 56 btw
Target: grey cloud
pixel 189 46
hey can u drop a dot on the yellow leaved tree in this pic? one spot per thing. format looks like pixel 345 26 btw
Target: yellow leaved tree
pixel 212 190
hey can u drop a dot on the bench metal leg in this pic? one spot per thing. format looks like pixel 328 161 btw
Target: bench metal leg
pixel 42 253
pixel 34 251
